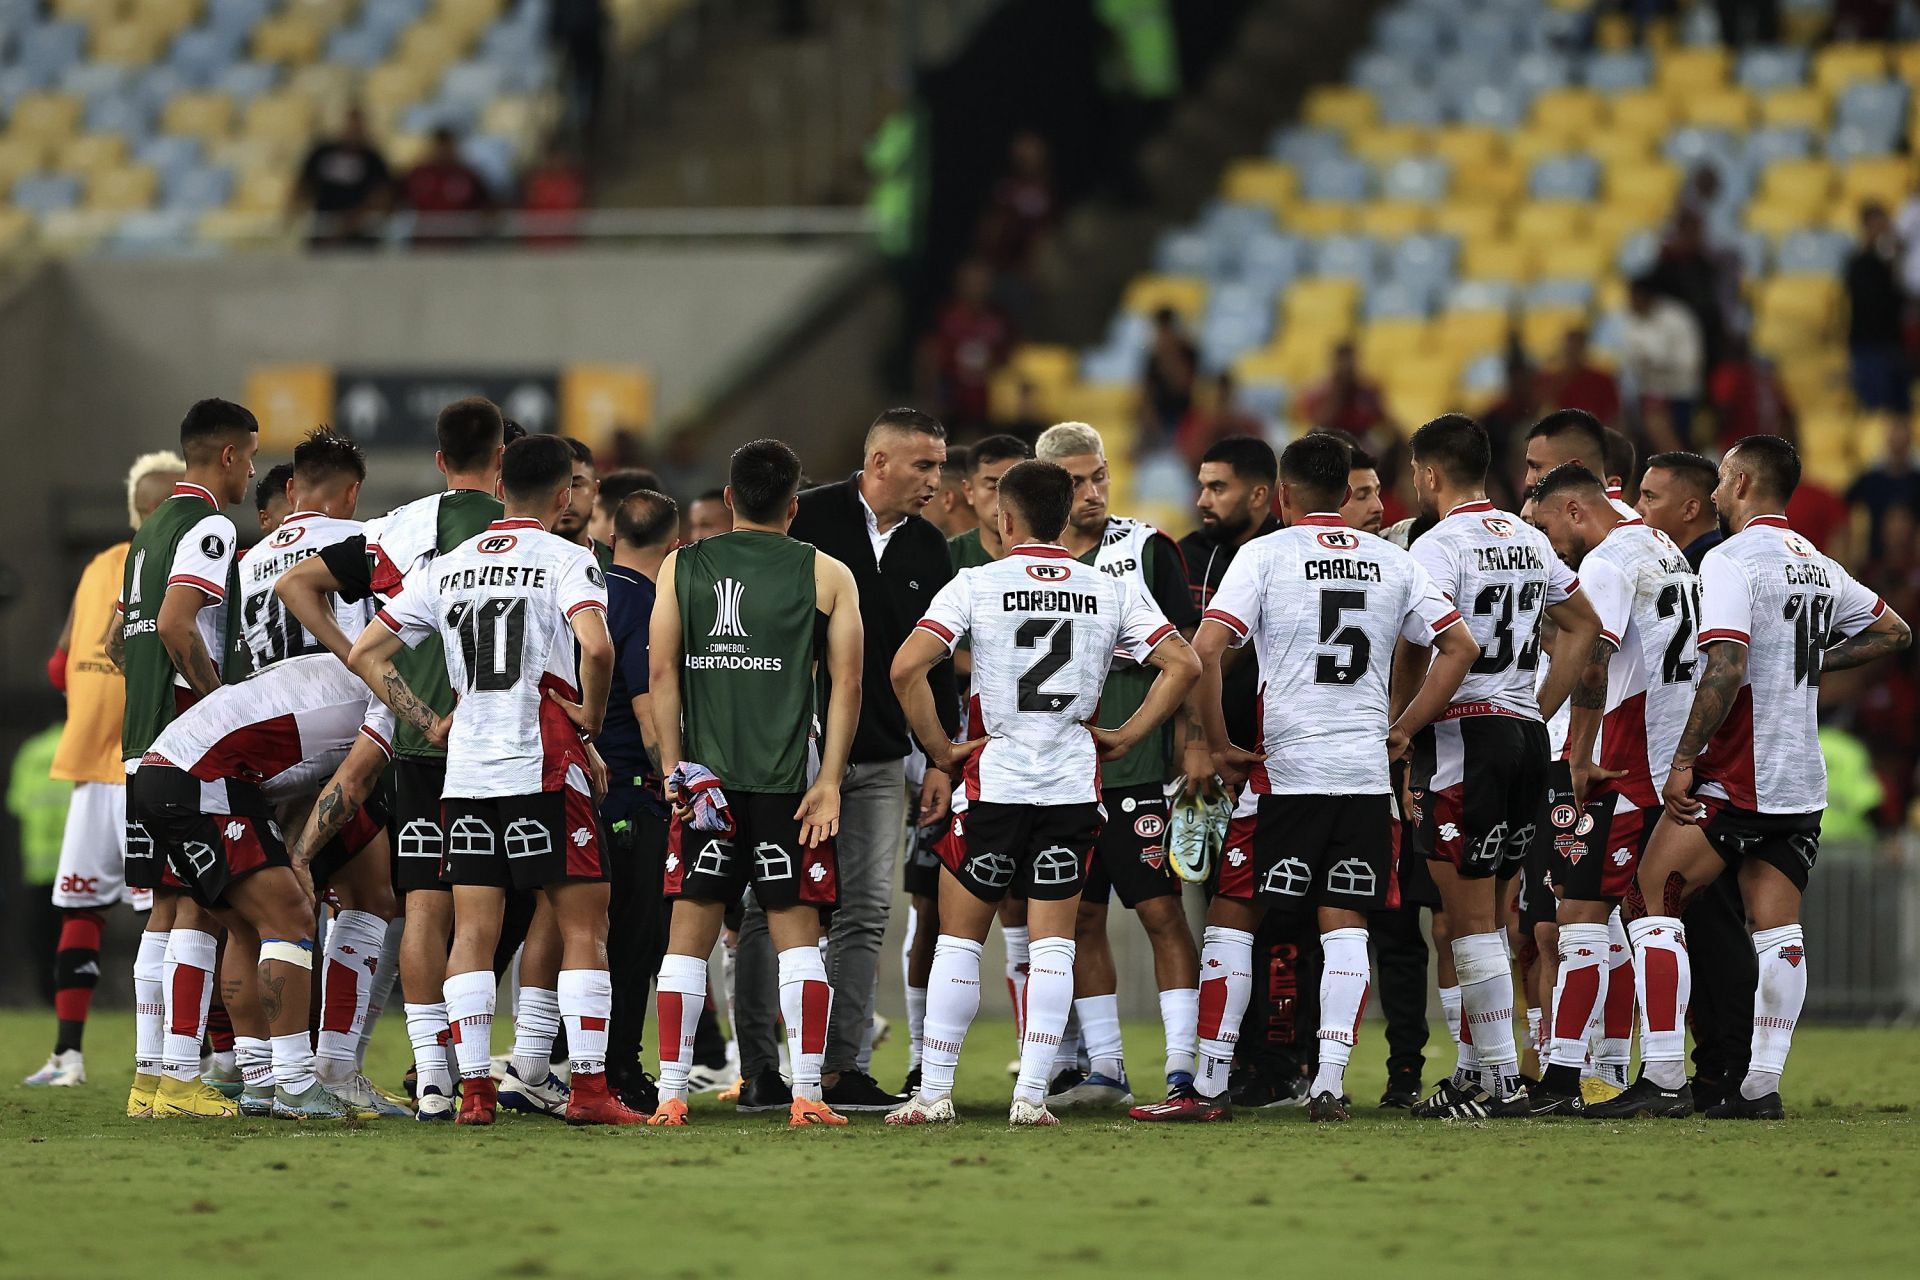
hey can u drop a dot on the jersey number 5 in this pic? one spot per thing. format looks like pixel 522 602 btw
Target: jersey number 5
pixel 492 635
pixel 1057 633
pixel 1342 668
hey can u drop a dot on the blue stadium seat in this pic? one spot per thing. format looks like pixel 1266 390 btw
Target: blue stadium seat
pixel 1412 104
pixel 238 17
pixel 168 153
pixel 46 192
pixel 1383 72
pixel 1574 177
pixel 1299 146
pixel 1423 260
pixel 1764 70
pixel 1480 295
pixel 1225 339
pixel 1399 299
pixel 197 189
pixel 477 83
pixel 1485 375
pixel 1105 366
pixel 1270 260
pixel 492 158
pixel 1778 142
pixel 1637 254
pixel 1608 337
pixel 1538 72
pixel 120 113
pixel 1617 72
pixel 1501 106
pixel 1852 142
pixel 1422 178
pixel 363 47
pixel 1187 253
pixel 1263 399
pixel 94 79
pixel 201 54
pixel 51 47
pixel 1499 34
pixel 1343 180
pixel 1414 33
pixel 245 81
pixel 527 74
pixel 1458 74
pixel 1751 247
pixel 1230 224
pixel 1877 106
pixel 1691 145
pixel 16 82
pixel 1354 256
pixel 156 86
pixel 152 231
pixel 1821 253
pixel 1560 293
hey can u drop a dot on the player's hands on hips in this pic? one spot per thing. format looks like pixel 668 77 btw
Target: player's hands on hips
pixel 819 813
pixel 936 797
pixel 1587 775
pixel 1234 764
pixel 576 712
pixel 439 730
pixel 954 756
pixel 1111 744
pixel 598 774
pixel 1682 807
pixel 1399 741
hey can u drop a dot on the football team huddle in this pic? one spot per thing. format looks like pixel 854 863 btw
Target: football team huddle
pixel 451 743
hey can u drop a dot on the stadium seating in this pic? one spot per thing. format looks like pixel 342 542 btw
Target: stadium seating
pixel 1433 205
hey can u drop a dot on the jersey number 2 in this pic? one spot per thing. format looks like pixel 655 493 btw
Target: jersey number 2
pixel 492 635
pixel 1057 633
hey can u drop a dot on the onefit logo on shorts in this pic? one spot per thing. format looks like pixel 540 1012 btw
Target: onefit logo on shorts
pixel 726 609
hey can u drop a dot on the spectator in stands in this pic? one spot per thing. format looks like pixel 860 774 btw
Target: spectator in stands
pixel 1864 19
pixel 1875 305
pixel 1021 208
pixel 969 342
pixel 1662 347
pixel 578 30
pixel 344 182
pixel 1745 22
pixel 1748 397
pixel 556 191
pixel 1215 420
pixel 1823 516
pixel 1890 485
pixel 443 184
pixel 1347 401
pixel 1166 380
pixel 1578 383
pixel 1700 278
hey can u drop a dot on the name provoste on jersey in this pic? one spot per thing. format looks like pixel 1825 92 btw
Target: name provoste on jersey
pixel 1343 571
pixel 1506 559
pixel 1049 601
pixel 532 577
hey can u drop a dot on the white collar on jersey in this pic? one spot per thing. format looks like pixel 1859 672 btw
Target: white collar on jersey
pixel 1771 521
pixel 1323 517
pixel 301 515
pixel 1467 508
pixel 1046 550
pixel 517 522
pixel 184 489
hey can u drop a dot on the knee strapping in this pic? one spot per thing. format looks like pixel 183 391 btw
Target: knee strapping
pixel 298 954
pixel 1480 957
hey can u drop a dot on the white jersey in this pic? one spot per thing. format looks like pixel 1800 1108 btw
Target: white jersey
pixel 201 558
pixel 1648 600
pixel 1044 629
pixel 271 633
pixel 1770 589
pixel 284 730
pixel 1503 575
pixel 501 605
pixel 1324 606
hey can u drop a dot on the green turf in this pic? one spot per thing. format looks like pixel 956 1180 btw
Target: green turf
pixel 1831 1191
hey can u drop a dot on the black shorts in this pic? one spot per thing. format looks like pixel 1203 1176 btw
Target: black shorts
pixel 1535 895
pixel 211 833
pixel 921 878
pixel 362 829
pixel 763 853
pixel 1787 842
pixel 1478 784
pixel 1131 854
pixel 1410 872
pixel 419 839
pixel 1039 851
pixel 1317 850
pixel 146 864
pixel 522 842
pixel 1596 856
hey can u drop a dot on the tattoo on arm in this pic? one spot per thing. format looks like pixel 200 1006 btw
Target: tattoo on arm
pixel 1726 668
pixel 405 703
pixel 116 642
pixel 1591 691
pixel 1867 646
pixel 332 813
pixel 196 664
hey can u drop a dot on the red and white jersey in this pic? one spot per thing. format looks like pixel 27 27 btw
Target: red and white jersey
pixel 1044 629
pixel 1648 600
pixel 1770 589
pixel 1324 606
pixel 285 730
pixel 272 633
pixel 501 604
pixel 1503 575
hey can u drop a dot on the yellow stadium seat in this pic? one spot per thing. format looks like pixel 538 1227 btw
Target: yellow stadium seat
pixel 432 48
pixel 1497 260
pixel 1694 69
pixel 250 155
pixel 1888 179
pixel 1393 219
pixel 292 40
pixel 1543 331
pixel 405 150
pixel 1609 224
pixel 18 158
pixel 471 16
pixel 1109 406
pixel 1185 294
pixel 1325 304
pixel 15 226
pixel 1839 65
pixel 1044 364
pixel 1301 356
pixel 1470 221
pixel 1386 343
pixel 279 116
pixel 1468 146
pixel 170 16
pixel 1776 220
pixel 1569 110
pixel 47 118
pixel 1249 181
pixel 93 13
pixel 1501 181
pixel 1469 334
pixel 207 116
pixel 1797 309
pixel 1906 62
pixel 1422 389
pixel 1382 144
pixel 1816 379
pixel 1646 111
pixel 331 87
pixel 1340 107
pixel 91 153
pixel 1808 108
pixel 1539 142
pixel 525 118
pixel 324 14
pixel 261 191
pixel 1611 148
pixel 1651 184
pixel 242 227
pixel 1265 364
pixel 1808 182
pixel 1732 109
pixel 1584 259
pixel 121 190
pixel 133 43
pixel 1546 222
pixel 1320 218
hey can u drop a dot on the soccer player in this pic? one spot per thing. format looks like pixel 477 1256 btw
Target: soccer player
pixel 1044 627
pixel 173 632
pixel 1640 673
pixel 270 498
pixel 950 512
pixel 739 624
pixel 1479 780
pixel 986 462
pixel 615 488
pixel 93 847
pixel 586 491
pixel 507 608
pixel 1315 825
pixel 470 434
pixel 1574 435
pixel 1130 853
pixel 708 515
pixel 1747 785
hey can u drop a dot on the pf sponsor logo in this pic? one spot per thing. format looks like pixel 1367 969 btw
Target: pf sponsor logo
pixel 726 609
pixel 1498 526
pixel 1149 826
pixel 1049 572
pixel 1338 540
pixel 1563 815
pixel 1585 825
pixel 288 534
pixel 1797 545
pixel 497 544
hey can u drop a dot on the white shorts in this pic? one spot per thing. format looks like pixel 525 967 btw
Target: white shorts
pixel 93 851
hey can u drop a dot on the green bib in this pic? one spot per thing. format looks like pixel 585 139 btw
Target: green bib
pixel 462 514
pixel 150 689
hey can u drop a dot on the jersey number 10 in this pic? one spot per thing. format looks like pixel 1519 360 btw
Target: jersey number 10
pixel 493 634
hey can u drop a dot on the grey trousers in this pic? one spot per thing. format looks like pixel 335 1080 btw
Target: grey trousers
pixel 873 829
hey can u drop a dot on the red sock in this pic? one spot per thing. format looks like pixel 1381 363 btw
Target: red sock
pixel 76 967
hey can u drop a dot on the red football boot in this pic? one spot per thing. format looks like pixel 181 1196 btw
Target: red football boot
pixel 478 1100
pixel 593 1103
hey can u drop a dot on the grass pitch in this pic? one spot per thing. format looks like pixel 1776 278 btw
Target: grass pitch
pixel 1829 1192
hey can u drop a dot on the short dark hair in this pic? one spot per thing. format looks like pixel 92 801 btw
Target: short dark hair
pixel 645 518
pixel 272 485
pixel 908 419
pixel 1042 492
pixel 1248 457
pixel 468 432
pixel 959 466
pixel 1359 459
pixel 208 420
pixel 1457 445
pixel 995 449
pixel 534 467
pixel 764 475
pixel 1620 455
pixel 617 486
pixel 323 454
pixel 1774 461
pixel 1562 422
pixel 1691 467
pixel 1316 464
pixel 711 495
pixel 511 431
pixel 582 452
pixel 1569 477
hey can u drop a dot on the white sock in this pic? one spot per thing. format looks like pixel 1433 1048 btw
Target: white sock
pixel 1180 1019
pixel 916 1025
pixel 953 998
pixel 585 1000
pixel 1664 981
pixel 1777 1002
pixel 150 1002
pixel 255 1059
pixel 1450 1011
pixel 189 993
pixel 352 955
pixel 806 1002
pixel 1015 937
pixel 293 1062
pixel 1486 997
pixel 430 1034
pixel 1535 1021
pixel 1613 1041
pixel 1226 985
pixel 470 998
pixel 386 976
pixel 1100 1029
pixel 1579 992
pixel 1072 1049
pixel 1049 998
pixel 536 1021
pixel 1345 977
pixel 680 992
